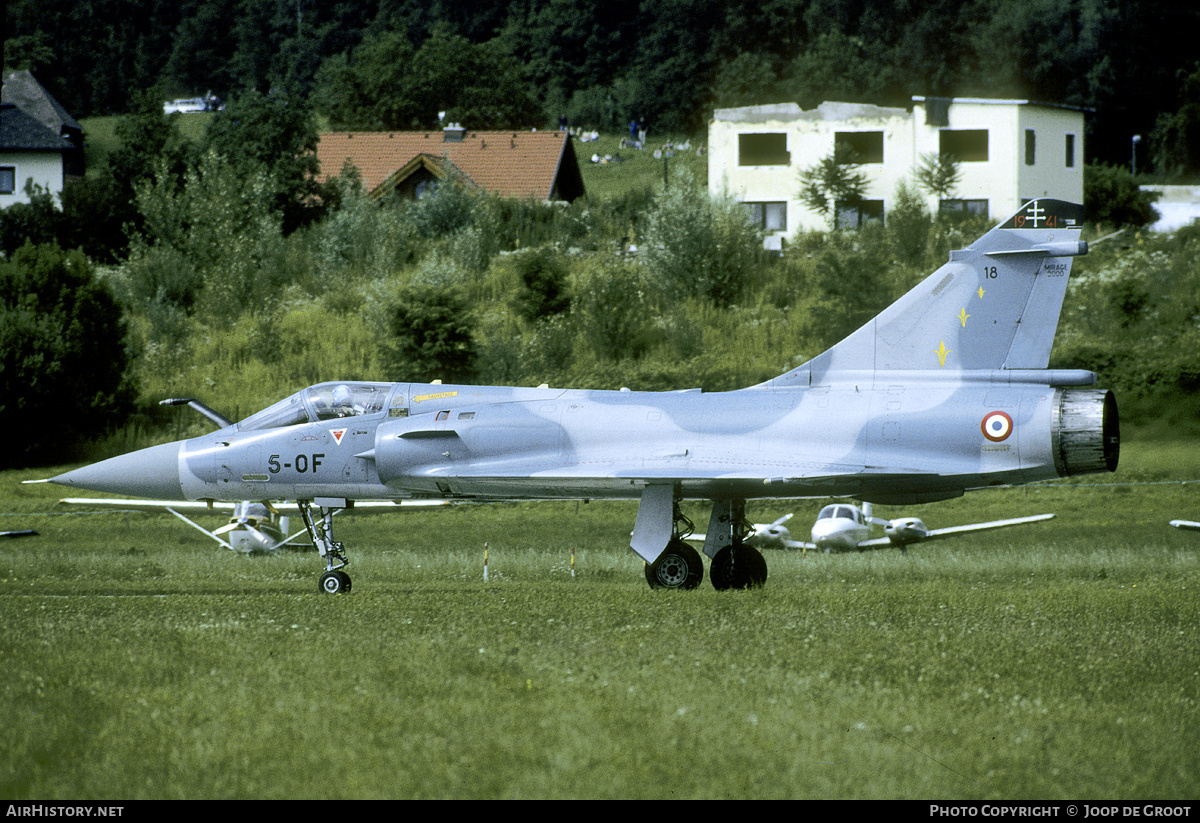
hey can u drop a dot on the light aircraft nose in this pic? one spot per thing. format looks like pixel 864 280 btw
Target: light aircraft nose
pixel 828 536
pixel 152 472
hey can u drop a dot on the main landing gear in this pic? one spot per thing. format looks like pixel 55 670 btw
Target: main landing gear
pixel 320 530
pixel 735 565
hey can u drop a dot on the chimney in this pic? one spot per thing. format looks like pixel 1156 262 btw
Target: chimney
pixel 453 133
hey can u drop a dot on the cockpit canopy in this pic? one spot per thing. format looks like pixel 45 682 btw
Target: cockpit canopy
pixel 842 511
pixel 326 401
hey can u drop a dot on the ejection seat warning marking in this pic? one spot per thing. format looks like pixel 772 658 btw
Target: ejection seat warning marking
pixel 422 397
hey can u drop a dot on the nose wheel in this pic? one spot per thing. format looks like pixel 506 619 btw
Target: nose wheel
pixel 320 530
pixel 335 582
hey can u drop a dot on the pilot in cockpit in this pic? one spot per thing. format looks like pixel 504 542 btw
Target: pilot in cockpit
pixel 343 402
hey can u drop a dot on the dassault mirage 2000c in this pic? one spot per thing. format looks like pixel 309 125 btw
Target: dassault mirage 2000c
pixel 946 390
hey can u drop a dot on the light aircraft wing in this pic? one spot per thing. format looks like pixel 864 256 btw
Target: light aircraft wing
pixel 269 537
pixel 953 531
pixel 201 506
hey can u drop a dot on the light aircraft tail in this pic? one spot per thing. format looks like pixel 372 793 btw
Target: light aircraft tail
pixel 993 306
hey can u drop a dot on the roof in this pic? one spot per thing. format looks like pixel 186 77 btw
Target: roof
pixel 991 101
pixel 21 88
pixel 539 165
pixel 21 132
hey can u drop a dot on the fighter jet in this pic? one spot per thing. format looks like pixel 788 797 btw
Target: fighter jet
pixel 1186 525
pixel 946 390
pixel 843 527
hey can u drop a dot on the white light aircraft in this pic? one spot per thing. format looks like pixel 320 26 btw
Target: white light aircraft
pixel 842 527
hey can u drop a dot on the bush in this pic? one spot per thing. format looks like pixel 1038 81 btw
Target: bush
pixel 432 337
pixel 63 373
pixel 698 245
pixel 1111 196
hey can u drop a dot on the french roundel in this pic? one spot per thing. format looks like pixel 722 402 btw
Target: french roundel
pixel 996 426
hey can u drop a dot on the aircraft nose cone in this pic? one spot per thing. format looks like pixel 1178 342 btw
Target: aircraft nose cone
pixel 152 472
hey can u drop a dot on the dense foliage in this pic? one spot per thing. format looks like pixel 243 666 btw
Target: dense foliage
pixel 665 63
pixel 63 361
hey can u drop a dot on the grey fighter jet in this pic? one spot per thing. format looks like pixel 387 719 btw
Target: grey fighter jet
pixel 946 390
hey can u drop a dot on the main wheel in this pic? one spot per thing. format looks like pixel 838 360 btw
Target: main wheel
pixel 738 566
pixel 335 582
pixel 678 567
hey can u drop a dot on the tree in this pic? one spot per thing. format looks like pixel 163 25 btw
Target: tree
pixel 700 246
pixel 544 285
pixel 1112 196
pixel 746 80
pixel 386 83
pixel 432 336
pixel 275 133
pixel 832 181
pixel 63 363
pixel 1176 137
pixel 38 221
pixel 208 242
pixel 908 224
pixel 938 174
pixel 835 66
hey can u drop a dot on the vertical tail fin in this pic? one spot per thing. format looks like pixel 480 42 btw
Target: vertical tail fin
pixel 994 305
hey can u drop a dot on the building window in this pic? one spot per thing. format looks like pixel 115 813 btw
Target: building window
pixel 8 179
pixel 867 146
pixel 1070 151
pixel 855 215
pixel 768 216
pixel 1030 147
pixel 768 149
pixel 965 145
pixel 975 207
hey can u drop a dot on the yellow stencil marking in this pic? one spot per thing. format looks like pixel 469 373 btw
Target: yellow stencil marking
pixel 421 397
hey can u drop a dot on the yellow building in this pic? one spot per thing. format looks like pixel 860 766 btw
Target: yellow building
pixel 1008 152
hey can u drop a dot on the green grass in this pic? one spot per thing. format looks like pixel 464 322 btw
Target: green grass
pixel 638 169
pixel 100 134
pixel 1056 661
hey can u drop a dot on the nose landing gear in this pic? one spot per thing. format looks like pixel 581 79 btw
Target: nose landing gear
pixel 320 530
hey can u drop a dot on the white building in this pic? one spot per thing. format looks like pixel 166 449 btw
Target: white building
pixel 1008 152
pixel 40 144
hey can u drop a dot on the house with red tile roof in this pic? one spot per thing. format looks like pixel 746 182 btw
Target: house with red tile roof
pixel 522 165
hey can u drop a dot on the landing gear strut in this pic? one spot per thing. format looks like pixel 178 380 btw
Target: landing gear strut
pixel 320 530
pixel 735 565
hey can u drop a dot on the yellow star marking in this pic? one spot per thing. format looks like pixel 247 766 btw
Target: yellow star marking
pixel 941 351
pixel 962 315
pixel 981 292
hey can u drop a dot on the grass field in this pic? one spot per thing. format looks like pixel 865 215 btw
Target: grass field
pixel 1056 661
